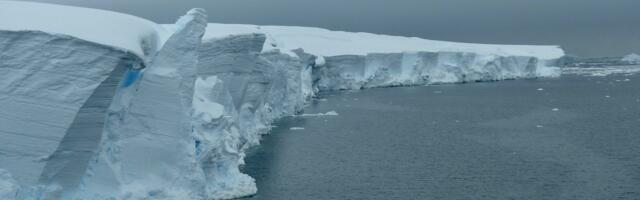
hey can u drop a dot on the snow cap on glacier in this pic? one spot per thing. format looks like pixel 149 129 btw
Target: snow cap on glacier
pixel 324 42
pixel 129 33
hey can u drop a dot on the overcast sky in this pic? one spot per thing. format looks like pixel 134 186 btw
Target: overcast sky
pixel 588 28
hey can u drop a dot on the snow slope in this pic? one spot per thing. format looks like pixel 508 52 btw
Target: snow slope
pixel 130 33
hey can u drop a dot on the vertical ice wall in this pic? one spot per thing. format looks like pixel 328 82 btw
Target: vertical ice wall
pixel 68 164
pixel 239 92
pixel 420 68
pixel 148 150
pixel 46 80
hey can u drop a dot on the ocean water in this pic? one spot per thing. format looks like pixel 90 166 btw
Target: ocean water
pixel 575 137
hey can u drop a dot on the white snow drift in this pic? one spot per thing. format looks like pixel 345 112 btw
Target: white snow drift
pixel 136 35
pixel 167 111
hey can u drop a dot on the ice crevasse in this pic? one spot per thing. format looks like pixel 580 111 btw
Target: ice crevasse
pixel 167 111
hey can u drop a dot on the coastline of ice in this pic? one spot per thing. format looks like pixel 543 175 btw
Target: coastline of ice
pixel 168 111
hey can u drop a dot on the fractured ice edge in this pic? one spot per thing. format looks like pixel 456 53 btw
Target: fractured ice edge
pixel 81 119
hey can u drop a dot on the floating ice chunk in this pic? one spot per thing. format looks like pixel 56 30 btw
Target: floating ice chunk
pixel 330 113
pixel 296 128
pixel 633 58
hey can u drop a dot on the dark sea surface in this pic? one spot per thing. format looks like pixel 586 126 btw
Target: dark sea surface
pixel 574 137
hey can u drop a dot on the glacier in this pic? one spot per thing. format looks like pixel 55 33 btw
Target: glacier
pixel 168 111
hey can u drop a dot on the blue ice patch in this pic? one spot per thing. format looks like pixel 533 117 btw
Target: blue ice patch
pixel 198 148
pixel 131 77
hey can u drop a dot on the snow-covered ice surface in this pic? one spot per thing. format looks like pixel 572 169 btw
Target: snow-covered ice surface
pixel 134 34
pixel 323 42
pixel 167 111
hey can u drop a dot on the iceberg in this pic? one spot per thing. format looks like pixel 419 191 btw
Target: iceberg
pixel 632 58
pixel 168 111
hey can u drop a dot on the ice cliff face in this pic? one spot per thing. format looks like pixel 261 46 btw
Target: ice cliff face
pixel 420 68
pixel 148 150
pixel 54 90
pixel 239 92
pixel 158 117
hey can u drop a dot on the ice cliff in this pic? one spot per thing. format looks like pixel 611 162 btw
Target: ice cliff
pixel 167 111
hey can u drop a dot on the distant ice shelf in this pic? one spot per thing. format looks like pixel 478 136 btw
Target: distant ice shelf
pixel 601 71
pixel 168 111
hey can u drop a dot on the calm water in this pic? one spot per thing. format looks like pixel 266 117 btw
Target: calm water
pixel 569 138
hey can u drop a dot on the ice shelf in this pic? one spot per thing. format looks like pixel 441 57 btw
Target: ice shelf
pixel 167 111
